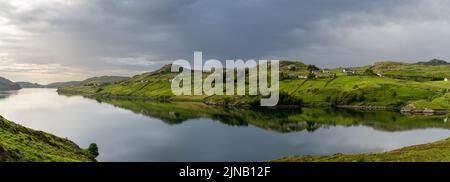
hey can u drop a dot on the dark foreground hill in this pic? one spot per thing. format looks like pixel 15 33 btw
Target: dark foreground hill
pixel 18 143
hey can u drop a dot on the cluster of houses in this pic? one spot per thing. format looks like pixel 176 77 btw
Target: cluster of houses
pixel 354 73
pixel 349 72
pixel 327 74
pixel 315 73
pixel 293 76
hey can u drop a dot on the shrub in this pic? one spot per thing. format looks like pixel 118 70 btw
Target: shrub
pixel 312 67
pixel 312 90
pixel 93 150
pixel 369 72
pixel 334 101
pixel 328 99
pixel 394 94
pixel 286 99
pixel 349 97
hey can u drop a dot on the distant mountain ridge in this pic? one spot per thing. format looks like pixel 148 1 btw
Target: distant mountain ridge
pixel 51 85
pixel 30 85
pixel 62 84
pixel 6 84
pixel 90 81
pixel 434 62
pixel 101 80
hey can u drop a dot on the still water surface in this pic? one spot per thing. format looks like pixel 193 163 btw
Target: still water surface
pixel 128 130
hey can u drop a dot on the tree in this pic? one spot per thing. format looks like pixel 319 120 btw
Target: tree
pixel 93 150
pixel 394 94
pixel 286 99
pixel 312 67
pixel 369 72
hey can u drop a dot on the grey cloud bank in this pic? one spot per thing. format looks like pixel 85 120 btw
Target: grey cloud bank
pixel 58 40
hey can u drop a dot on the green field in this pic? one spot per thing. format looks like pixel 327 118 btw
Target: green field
pixel 18 143
pixel 413 71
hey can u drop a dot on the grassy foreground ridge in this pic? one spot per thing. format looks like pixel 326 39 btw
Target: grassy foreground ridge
pixel 431 152
pixel 18 143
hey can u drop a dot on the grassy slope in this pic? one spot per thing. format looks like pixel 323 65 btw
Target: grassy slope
pixel 388 68
pixel 362 90
pixel 430 152
pixel 18 143
pixel 343 90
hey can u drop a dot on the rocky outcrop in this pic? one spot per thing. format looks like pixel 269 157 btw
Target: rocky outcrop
pixel 423 111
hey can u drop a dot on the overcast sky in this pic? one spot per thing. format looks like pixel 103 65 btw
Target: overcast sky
pixel 58 40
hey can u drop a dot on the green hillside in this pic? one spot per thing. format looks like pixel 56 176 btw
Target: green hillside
pixel 421 71
pixel 323 87
pixel 18 143
pixel 152 85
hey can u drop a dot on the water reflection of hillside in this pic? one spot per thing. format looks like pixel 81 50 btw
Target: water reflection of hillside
pixel 281 120
pixel 6 94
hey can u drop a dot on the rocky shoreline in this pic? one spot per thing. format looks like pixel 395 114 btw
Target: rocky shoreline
pixel 366 107
pixel 424 111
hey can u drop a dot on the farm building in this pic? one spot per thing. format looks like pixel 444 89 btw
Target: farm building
pixel 348 72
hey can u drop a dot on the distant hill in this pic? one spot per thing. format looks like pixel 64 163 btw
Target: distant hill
pixel 6 84
pixel 62 84
pixel 421 71
pixel 434 62
pixel 94 81
pixel 102 80
pixel 30 85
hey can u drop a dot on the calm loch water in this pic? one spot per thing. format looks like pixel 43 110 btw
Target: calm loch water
pixel 128 130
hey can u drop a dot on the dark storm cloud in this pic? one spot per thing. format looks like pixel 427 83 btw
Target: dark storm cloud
pixel 130 36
